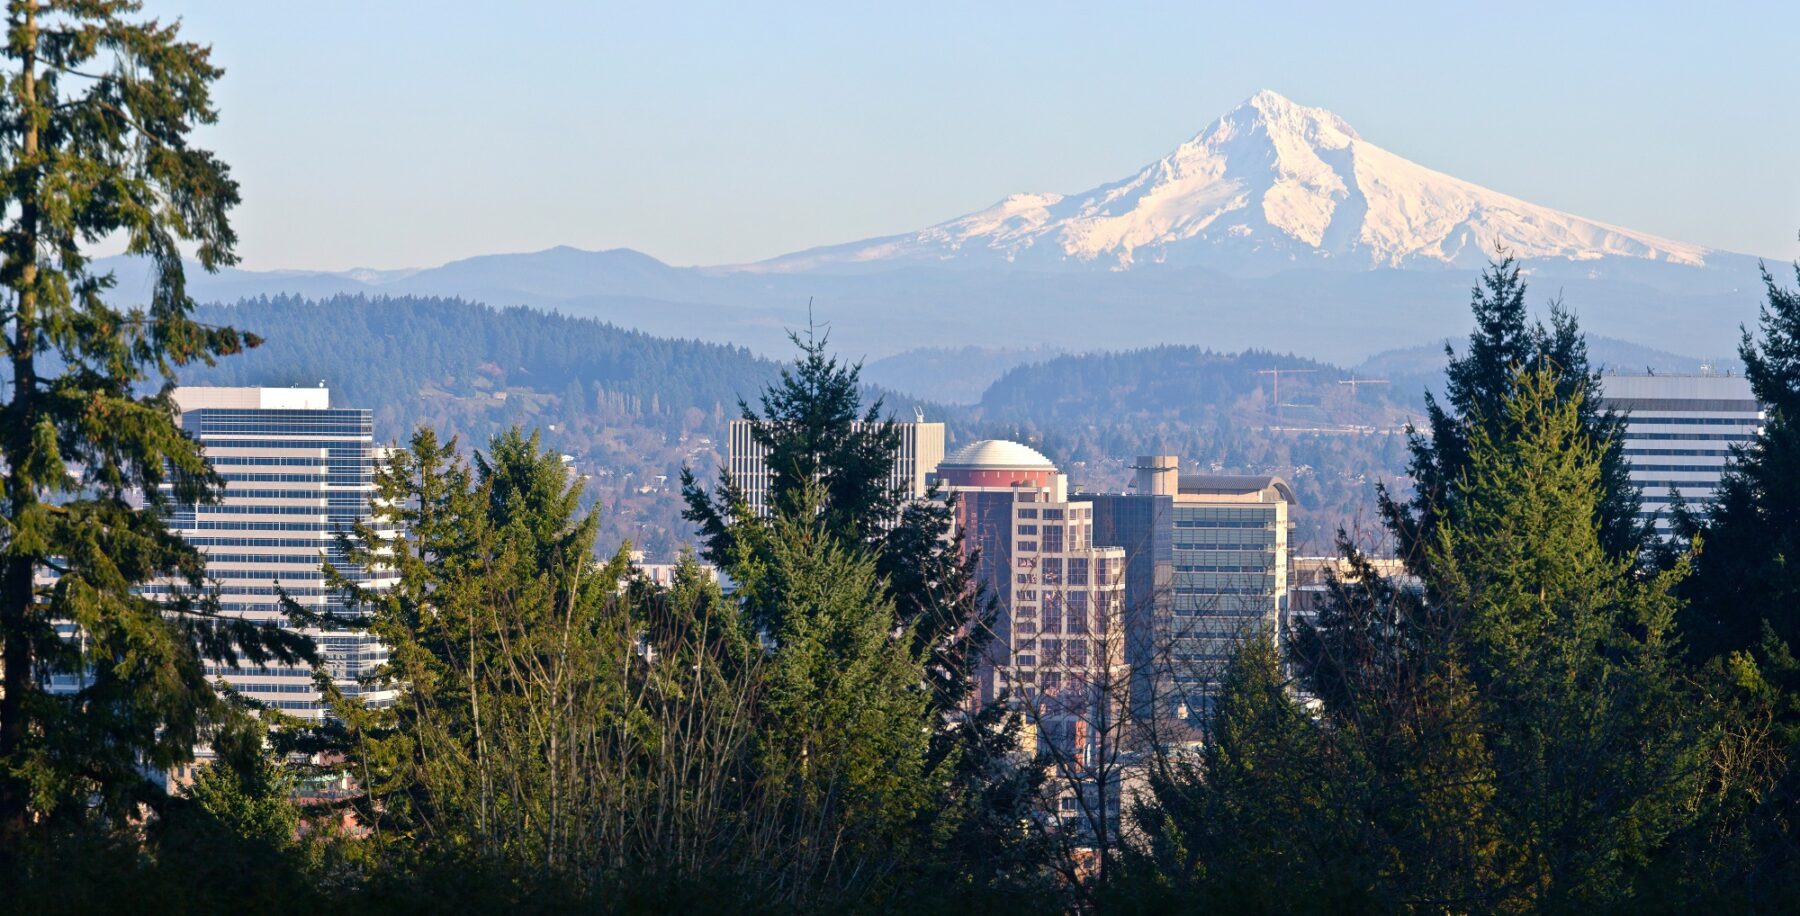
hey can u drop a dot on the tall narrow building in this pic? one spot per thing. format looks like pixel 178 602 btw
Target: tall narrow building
pixel 1058 650
pixel 915 459
pixel 1679 432
pixel 297 472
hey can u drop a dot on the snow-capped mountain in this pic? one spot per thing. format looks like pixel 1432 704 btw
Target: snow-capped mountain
pixel 1271 184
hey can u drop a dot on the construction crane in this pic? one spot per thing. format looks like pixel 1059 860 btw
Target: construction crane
pixel 1353 382
pixel 1277 374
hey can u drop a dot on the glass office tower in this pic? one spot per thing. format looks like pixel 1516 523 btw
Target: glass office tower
pixel 297 473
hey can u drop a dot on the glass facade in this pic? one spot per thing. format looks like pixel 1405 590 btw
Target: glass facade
pixel 295 478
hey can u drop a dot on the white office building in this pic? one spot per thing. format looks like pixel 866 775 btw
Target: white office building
pixel 297 471
pixel 921 448
pixel 1679 433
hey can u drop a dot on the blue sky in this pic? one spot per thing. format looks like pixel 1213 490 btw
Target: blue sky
pixel 385 134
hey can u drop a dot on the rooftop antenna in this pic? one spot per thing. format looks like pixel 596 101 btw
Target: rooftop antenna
pixel 919 412
pixel 1277 374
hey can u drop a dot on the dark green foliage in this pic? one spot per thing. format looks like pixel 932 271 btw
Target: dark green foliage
pixel 1478 385
pixel 1513 732
pixel 1742 620
pixel 87 156
pixel 1748 571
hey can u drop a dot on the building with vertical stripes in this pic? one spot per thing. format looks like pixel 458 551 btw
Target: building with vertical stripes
pixel 297 472
pixel 1679 433
pixel 921 448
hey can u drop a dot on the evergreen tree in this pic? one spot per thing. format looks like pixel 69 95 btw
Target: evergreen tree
pixel 96 116
pixel 843 743
pixel 499 645
pixel 1747 574
pixel 1571 654
pixel 1742 619
pixel 1477 387
pixel 816 438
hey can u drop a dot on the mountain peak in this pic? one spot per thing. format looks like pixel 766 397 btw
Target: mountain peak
pixel 1277 114
pixel 1272 184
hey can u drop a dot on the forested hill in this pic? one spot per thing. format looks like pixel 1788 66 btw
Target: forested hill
pixel 1217 411
pixel 469 367
pixel 1185 384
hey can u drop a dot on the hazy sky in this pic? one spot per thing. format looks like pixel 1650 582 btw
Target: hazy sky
pixel 386 134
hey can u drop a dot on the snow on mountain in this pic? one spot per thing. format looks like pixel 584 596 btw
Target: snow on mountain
pixel 1270 184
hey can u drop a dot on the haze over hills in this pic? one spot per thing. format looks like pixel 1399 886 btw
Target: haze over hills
pixel 1278 227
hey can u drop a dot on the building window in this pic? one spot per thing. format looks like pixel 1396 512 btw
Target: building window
pixel 1078 571
pixel 1028 529
pixel 1053 539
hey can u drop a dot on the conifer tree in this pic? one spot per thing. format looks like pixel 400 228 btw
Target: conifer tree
pixel 1742 619
pixel 1747 575
pixel 1572 657
pixel 95 123
pixel 1477 386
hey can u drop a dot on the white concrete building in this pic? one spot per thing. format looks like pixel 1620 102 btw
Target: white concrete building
pixel 1679 433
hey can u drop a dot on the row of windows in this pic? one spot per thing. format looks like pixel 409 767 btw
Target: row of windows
pixel 1225 513
pixel 1223 545
pixel 1224 590
pixel 1225 523
pixel 267 526
pixel 298 591
pixel 1693 421
pixel 1720 452
pixel 269 510
pixel 266 461
pixel 332 446
pixel 342 479
pixel 1685 437
pixel 274 558
pixel 1679 468
pixel 211 541
pixel 214 421
pixel 285 574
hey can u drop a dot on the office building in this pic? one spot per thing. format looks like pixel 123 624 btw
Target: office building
pixel 1679 432
pixel 1058 649
pixel 920 449
pixel 1207 565
pixel 297 472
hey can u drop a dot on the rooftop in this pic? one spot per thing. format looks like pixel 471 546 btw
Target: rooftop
pixel 1235 485
pixel 205 397
pixel 996 453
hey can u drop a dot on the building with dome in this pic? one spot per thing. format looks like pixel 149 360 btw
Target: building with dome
pixel 1059 643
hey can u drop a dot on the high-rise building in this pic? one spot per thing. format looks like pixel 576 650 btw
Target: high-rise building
pixel 297 472
pixel 1058 650
pixel 1679 432
pixel 1206 560
pixel 921 448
